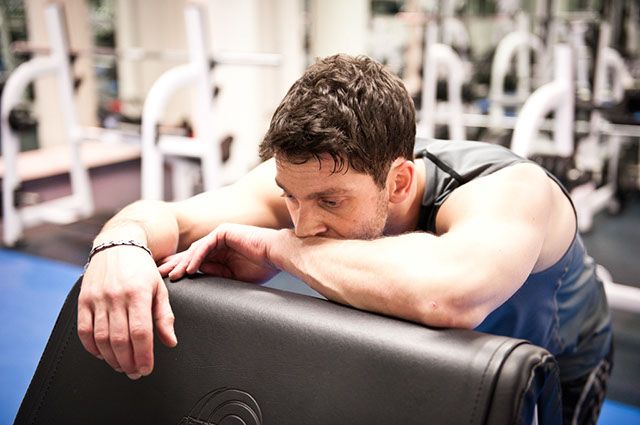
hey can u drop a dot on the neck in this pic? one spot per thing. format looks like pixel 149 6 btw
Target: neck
pixel 404 216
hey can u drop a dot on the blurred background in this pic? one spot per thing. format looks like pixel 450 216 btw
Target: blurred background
pixel 105 102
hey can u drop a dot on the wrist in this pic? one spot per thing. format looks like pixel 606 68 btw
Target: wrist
pixel 283 248
pixel 115 243
pixel 122 231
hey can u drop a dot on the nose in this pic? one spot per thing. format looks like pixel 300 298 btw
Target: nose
pixel 308 223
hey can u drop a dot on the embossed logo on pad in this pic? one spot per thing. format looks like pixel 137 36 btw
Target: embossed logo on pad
pixel 225 406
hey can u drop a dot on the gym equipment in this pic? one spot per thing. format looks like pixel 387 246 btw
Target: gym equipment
pixel 62 210
pixel 7 61
pixel 454 32
pixel 519 43
pixel 602 147
pixel 621 297
pixel 204 146
pixel 556 96
pixel 253 355
pixel 437 58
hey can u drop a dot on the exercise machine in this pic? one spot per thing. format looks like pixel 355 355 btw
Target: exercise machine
pixel 254 355
pixel 441 59
pixel 68 208
pixel 182 150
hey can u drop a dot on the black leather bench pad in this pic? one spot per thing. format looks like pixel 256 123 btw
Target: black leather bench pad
pixel 254 355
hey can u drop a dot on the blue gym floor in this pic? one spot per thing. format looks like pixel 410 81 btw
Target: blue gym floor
pixel 33 291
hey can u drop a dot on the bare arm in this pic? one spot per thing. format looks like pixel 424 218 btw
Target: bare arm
pixel 254 200
pixel 165 227
pixel 494 233
pixel 122 291
pixel 494 236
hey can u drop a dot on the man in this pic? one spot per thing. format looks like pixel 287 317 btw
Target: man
pixel 467 235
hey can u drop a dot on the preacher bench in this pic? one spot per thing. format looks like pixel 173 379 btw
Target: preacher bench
pixel 253 355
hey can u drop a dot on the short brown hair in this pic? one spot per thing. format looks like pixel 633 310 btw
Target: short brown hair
pixel 350 108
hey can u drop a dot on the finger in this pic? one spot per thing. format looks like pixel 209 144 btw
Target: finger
pixel 168 258
pixel 120 341
pixel 217 269
pixel 168 264
pixel 101 337
pixel 141 332
pixel 164 270
pixel 163 317
pixel 206 245
pixel 180 269
pixel 85 329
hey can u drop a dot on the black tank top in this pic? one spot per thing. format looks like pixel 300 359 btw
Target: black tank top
pixel 450 165
pixel 564 308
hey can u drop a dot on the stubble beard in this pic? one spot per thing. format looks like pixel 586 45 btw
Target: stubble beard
pixel 375 227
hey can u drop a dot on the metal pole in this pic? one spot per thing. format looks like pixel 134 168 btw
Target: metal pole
pixel 81 185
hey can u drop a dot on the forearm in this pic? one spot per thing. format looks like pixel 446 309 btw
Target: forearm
pixel 152 223
pixel 385 275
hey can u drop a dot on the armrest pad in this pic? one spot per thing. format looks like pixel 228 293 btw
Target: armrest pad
pixel 254 355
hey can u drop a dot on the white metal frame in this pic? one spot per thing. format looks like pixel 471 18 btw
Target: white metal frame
pixel 518 43
pixel 437 57
pixel 64 209
pixel 621 297
pixel 440 57
pixel 454 32
pixel 197 74
pixel 556 96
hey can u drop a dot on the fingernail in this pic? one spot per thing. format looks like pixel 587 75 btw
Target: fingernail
pixel 100 357
pixel 118 370
pixel 145 371
pixel 134 376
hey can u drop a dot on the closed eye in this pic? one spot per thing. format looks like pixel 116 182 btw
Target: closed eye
pixel 330 203
pixel 286 195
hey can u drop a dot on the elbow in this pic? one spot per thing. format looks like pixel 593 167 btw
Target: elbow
pixel 470 318
pixel 451 312
pixel 452 297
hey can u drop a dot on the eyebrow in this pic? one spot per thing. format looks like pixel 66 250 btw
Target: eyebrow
pixel 331 191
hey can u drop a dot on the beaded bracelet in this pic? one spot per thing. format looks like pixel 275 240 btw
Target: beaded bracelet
pixel 105 245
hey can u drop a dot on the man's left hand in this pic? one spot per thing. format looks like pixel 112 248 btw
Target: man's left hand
pixel 233 251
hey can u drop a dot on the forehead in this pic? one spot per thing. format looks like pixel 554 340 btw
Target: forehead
pixel 317 174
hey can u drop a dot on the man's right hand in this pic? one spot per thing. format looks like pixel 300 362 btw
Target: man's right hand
pixel 122 295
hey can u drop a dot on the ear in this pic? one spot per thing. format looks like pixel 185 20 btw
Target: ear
pixel 400 180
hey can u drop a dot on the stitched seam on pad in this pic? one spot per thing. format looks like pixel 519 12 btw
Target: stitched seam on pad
pixel 541 363
pixel 495 379
pixel 53 373
pixel 532 374
pixel 484 374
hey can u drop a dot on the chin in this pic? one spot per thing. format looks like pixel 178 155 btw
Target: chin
pixel 367 234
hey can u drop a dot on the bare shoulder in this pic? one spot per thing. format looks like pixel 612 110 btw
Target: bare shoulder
pixel 520 188
pixel 525 176
pixel 521 197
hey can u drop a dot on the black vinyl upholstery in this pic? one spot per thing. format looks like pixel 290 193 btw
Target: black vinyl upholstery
pixel 253 355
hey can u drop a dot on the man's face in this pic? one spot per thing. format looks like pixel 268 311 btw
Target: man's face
pixel 336 205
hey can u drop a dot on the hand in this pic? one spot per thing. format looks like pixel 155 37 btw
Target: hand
pixel 232 251
pixel 122 295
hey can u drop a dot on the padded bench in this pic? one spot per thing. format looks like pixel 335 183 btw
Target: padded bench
pixel 253 355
